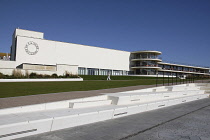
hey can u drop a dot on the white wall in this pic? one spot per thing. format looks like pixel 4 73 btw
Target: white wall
pixel 7 64
pixel 33 34
pixel 53 52
pixel 45 55
pixel 6 67
pixel 71 69
pixel 91 57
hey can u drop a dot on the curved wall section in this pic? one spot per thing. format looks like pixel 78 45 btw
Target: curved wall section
pixel 145 62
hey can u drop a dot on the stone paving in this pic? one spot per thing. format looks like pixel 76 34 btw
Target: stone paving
pixel 189 121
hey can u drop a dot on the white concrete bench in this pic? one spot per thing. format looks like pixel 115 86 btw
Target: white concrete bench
pixel 132 98
pixel 15 126
pixel 84 104
pixel 182 88
pixel 29 120
pixel 48 106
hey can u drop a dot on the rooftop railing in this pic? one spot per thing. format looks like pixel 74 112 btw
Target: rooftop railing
pixel 155 57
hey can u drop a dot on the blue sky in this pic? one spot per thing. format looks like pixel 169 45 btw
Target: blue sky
pixel 180 29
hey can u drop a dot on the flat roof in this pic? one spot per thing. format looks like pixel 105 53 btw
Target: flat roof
pixel 147 51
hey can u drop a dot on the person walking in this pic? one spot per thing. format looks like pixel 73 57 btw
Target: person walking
pixel 108 78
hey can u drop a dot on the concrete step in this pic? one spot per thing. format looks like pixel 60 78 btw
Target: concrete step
pixel 128 98
pixel 182 88
pixel 84 104
pixel 49 106
pixel 24 124
pixel 207 91
pixel 205 88
pixel 35 119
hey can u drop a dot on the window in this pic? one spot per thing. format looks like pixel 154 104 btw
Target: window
pixel 117 72
pixel 81 71
pixel 105 71
pixel 93 71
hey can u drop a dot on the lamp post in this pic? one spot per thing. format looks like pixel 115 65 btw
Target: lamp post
pixel 163 78
pixel 168 79
pixel 156 78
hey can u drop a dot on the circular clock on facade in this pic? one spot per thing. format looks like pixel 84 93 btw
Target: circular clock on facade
pixel 31 48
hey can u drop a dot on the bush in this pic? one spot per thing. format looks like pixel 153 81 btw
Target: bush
pixel 66 74
pixel 1 75
pixel 54 75
pixel 46 76
pixel 69 75
pixel 33 75
pixel 26 74
pixel 16 73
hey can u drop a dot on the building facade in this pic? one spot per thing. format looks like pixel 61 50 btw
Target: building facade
pixel 32 53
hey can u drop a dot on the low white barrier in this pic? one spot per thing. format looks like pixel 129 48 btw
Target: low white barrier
pixel 41 80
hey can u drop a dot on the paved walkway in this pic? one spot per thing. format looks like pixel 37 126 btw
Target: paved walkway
pixel 52 97
pixel 188 121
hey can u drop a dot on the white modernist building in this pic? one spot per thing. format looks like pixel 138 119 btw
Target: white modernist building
pixel 32 53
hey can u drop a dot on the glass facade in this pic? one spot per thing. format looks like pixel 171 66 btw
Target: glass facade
pixel 147 66
pixel 145 72
pixel 105 72
pixel 146 63
pixel 181 68
pixel 92 71
pixel 95 71
pixel 117 72
pixel 81 71
pixel 146 56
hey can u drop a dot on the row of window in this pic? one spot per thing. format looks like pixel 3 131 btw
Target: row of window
pixel 94 71
pixel 168 67
pixel 146 63
pixel 145 71
pixel 145 55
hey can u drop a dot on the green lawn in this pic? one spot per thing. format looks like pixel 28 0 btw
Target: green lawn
pixel 104 77
pixel 32 88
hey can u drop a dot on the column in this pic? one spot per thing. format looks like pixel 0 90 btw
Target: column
pixel 86 71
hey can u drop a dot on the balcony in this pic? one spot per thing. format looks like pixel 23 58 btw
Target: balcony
pixel 145 66
pixel 183 70
pixel 155 58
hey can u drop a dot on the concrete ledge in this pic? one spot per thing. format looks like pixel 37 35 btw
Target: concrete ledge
pixel 89 103
pixel 52 105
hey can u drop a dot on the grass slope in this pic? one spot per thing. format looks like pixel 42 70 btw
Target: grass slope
pixel 104 77
pixel 92 82
pixel 33 88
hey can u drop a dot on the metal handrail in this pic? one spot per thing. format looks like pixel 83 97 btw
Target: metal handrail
pixel 183 70
pixel 144 65
pixel 145 58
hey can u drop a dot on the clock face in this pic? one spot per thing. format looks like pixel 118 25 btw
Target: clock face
pixel 31 48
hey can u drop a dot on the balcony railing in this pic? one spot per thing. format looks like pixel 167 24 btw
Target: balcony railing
pixel 184 70
pixel 144 65
pixel 146 57
pixel 178 63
